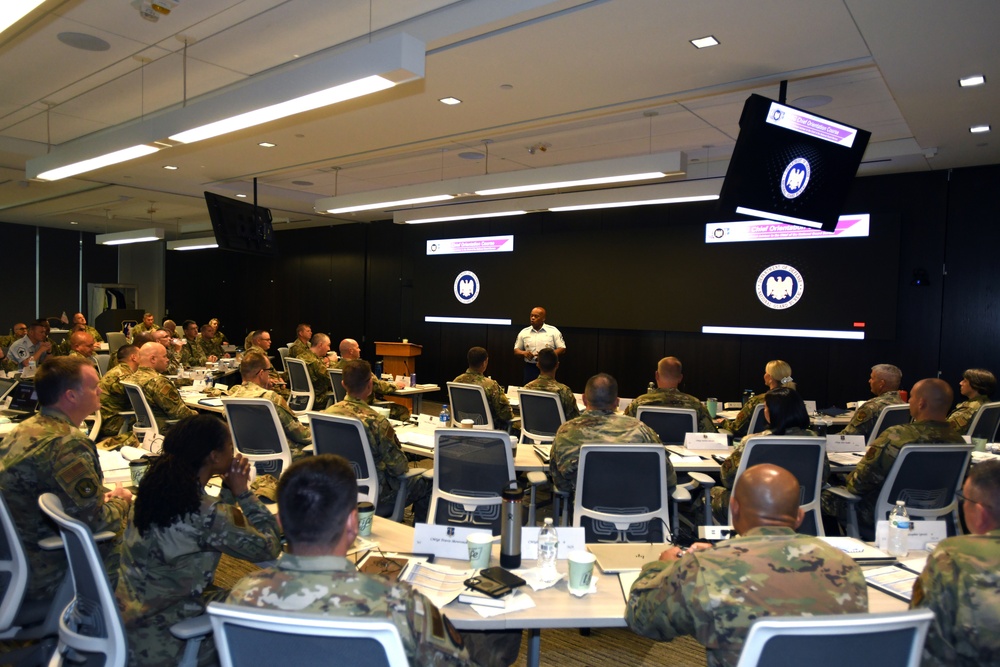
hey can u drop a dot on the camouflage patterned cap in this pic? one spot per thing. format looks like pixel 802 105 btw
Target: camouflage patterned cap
pixel 266 488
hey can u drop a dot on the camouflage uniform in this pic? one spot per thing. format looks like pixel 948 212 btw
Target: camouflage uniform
pixel 166 574
pixel 296 349
pixel 380 388
pixel 961 584
pixel 174 363
pixel 390 461
pixel 93 332
pixel 495 398
pixel 296 432
pixel 592 427
pixel 566 397
pixel 867 479
pixel 727 472
pixel 715 595
pixel 161 394
pixel 209 348
pixel 671 397
pixel 961 417
pixel 48 454
pixel 92 360
pixel 114 400
pixel 330 585
pixel 865 416
pixel 320 376
pixel 741 424
pixel 192 354
pixel 141 328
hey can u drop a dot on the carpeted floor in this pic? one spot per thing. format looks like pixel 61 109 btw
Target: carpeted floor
pixel 604 647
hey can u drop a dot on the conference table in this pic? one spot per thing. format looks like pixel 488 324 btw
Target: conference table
pixel 554 607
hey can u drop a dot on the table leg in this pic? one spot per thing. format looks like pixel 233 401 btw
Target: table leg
pixel 418 401
pixel 534 646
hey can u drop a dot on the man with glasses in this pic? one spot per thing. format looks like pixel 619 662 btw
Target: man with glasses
pixel 256 369
pixel 18 331
pixel 961 581
pixel 35 346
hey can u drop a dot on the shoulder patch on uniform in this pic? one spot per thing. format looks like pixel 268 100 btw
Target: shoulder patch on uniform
pixel 86 488
pixel 71 472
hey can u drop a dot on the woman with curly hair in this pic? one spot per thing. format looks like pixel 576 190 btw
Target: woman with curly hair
pixel 177 533
pixel 777 373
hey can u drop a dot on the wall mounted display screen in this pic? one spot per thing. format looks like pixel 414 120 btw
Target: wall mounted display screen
pixel 791 166
pixel 240 226
pixel 665 276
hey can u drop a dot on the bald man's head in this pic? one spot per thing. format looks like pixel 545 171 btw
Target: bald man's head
pixel 930 399
pixel 765 495
pixel 349 349
pixel 153 355
pixel 669 372
pixel 82 342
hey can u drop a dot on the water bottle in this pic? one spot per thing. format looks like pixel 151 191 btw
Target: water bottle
pixel 444 418
pixel 899 528
pixel 747 395
pixel 510 526
pixel 651 388
pixel 32 366
pixel 548 546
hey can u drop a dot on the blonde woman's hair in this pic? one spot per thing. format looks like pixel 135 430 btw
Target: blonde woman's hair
pixel 781 373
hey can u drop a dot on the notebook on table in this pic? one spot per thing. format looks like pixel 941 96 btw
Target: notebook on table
pixel 626 556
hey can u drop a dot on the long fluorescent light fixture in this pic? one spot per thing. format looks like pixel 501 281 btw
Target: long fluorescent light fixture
pixel 797 333
pixel 133 236
pixel 12 11
pixel 201 243
pixel 581 174
pixel 637 195
pixel 307 84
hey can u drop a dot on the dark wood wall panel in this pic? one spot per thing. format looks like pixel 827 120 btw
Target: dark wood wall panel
pixel 59 278
pixel 17 303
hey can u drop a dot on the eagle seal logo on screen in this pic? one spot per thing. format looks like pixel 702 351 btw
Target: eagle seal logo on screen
pixel 780 286
pixel 466 287
pixel 796 178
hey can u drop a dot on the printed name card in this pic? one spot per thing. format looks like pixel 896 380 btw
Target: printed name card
pixel 444 541
pixel 921 532
pixel 845 443
pixel 706 441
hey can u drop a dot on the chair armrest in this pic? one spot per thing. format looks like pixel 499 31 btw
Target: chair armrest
pixel 536 477
pixel 171 422
pixel 702 479
pixel 104 536
pixel 190 628
pixel 844 493
pixel 127 413
pixel 50 543
pixel 415 472
pixel 309 448
pixel 428 472
pixel 681 495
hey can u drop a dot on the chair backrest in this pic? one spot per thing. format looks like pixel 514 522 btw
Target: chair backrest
pixel 282 353
pixel 541 414
pixel 871 640
pixel 621 493
pixel 115 340
pixel 926 477
pixel 986 422
pixel 91 622
pixel 95 425
pixel 13 568
pixel 346 436
pixel 246 637
pixel 103 361
pixel 757 421
pixel 337 380
pixel 143 413
pixel 468 401
pixel 804 458
pixel 471 468
pixel 669 423
pixel 891 415
pixel 258 434
pixel 301 394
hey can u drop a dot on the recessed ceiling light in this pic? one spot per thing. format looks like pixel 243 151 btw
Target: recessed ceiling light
pixel 974 80
pixel 266 144
pixel 241 196
pixel 705 42
pixel 979 129
pixel 302 183
pixel 811 101
pixel 170 167
pixel 451 101
pixel 83 41
pixel 472 155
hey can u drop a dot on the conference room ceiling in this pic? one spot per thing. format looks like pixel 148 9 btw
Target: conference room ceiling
pixel 542 83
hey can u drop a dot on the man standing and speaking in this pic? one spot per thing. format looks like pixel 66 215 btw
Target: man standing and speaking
pixel 535 338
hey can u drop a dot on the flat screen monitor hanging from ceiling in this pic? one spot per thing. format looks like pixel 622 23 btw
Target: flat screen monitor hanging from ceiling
pixel 791 166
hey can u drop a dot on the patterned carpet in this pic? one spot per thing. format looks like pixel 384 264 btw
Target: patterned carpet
pixel 605 647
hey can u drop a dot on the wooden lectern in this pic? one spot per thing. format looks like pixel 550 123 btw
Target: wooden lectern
pixel 399 359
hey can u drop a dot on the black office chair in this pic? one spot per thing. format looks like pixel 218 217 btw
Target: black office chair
pixel 337 380
pixel 258 434
pixel 470 470
pixel 804 458
pixel 541 415
pixel 891 415
pixel 301 393
pixel 986 422
pixel 671 424
pixel 758 423
pixel 468 401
